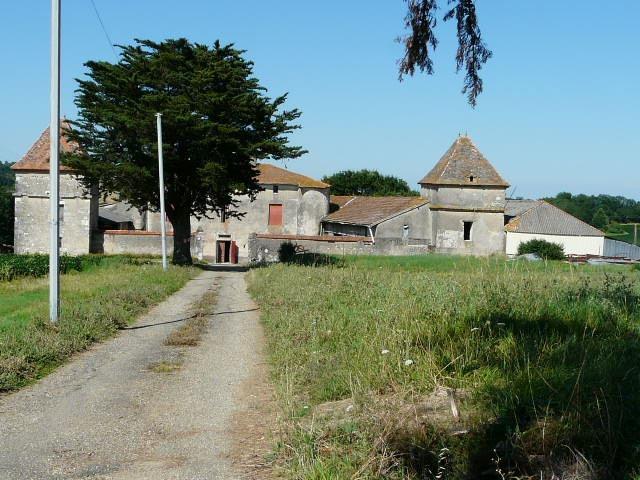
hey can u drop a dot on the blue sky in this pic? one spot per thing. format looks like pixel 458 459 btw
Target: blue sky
pixel 560 110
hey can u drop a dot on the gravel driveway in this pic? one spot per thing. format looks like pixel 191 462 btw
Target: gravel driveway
pixel 108 415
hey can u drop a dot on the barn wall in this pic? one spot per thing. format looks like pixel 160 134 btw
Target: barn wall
pixel 573 245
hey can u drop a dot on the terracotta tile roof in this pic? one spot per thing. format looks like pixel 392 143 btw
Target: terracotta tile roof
pixel 370 211
pixel 463 164
pixel 37 158
pixel 548 219
pixel 272 175
pixel 341 200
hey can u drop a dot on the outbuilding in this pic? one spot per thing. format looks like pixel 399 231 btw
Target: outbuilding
pixel 537 219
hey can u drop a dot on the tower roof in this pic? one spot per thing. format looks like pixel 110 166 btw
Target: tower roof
pixel 464 164
pixel 37 158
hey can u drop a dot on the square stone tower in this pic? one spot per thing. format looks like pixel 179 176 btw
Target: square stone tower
pixel 467 198
pixel 78 207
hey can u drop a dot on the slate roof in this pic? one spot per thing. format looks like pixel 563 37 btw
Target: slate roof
pixel 114 215
pixel 370 211
pixel 37 158
pixel 272 175
pixel 463 164
pixel 513 208
pixel 548 219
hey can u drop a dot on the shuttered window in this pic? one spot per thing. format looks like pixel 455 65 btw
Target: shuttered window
pixel 275 214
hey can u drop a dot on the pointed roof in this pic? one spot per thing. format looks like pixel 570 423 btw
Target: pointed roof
pixel 544 218
pixel 463 164
pixel 37 158
pixel 272 175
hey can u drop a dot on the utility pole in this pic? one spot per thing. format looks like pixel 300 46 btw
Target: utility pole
pixel 163 228
pixel 635 234
pixel 54 166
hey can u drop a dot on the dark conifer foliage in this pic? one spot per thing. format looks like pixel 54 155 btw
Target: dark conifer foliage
pixel 421 41
pixel 367 182
pixel 7 181
pixel 217 121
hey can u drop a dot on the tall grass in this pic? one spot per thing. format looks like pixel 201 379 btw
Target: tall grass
pixel 95 303
pixel 545 356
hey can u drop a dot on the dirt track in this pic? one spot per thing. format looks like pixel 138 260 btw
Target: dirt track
pixel 109 414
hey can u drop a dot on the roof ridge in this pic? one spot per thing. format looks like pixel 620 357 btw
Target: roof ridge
pixel 567 213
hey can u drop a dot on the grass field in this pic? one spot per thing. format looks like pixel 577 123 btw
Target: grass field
pixel 627 236
pixel 542 361
pixel 94 304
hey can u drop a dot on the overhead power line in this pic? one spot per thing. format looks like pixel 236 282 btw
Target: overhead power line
pixel 104 29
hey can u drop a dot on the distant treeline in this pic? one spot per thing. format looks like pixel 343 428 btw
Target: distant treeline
pixel 7 182
pixel 591 208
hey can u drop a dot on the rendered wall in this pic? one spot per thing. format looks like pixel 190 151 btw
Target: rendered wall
pixel 266 249
pixel 465 197
pixel 418 220
pixel 302 211
pixel 31 226
pixel 573 245
pixel 487 232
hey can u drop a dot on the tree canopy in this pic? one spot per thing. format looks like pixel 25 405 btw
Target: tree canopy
pixel 7 181
pixel 217 122
pixel 367 182
pixel 420 41
pixel 598 208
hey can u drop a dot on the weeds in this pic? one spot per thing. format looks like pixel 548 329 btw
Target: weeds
pixel 190 332
pixel 547 353
pixel 95 303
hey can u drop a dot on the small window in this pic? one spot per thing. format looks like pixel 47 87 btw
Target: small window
pixel 275 189
pixel 471 178
pixel 467 230
pixel 275 214
pixel 405 232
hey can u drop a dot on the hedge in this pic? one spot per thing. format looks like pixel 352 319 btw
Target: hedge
pixel 37 265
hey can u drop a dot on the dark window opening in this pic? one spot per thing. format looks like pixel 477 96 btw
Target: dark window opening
pixel 471 178
pixel 467 230
pixel 275 189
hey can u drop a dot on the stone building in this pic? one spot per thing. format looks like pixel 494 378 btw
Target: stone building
pixel 78 207
pixel 460 209
pixel 466 198
pixel 290 204
pixel 397 220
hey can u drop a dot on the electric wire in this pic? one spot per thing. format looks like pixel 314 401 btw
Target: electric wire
pixel 104 29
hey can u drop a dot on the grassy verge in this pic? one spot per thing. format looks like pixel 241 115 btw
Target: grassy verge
pixel 373 356
pixel 95 303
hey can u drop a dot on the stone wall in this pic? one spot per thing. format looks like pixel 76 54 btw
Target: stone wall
pixel 78 209
pixel 116 242
pixel 264 247
pixel 487 233
pixel 302 211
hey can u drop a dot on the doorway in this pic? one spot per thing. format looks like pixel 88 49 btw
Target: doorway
pixel 223 251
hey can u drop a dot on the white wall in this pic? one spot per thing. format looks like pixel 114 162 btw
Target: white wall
pixel 573 245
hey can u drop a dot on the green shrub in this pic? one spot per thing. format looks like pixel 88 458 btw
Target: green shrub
pixel 37 265
pixel 287 252
pixel 542 248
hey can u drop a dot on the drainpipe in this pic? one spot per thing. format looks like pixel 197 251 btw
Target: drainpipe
pixel 373 240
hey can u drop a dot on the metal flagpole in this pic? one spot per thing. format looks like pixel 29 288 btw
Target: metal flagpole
pixel 161 176
pixel 54 166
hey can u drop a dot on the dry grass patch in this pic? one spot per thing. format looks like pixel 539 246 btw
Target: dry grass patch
pixel 165 366
pixel 191 331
